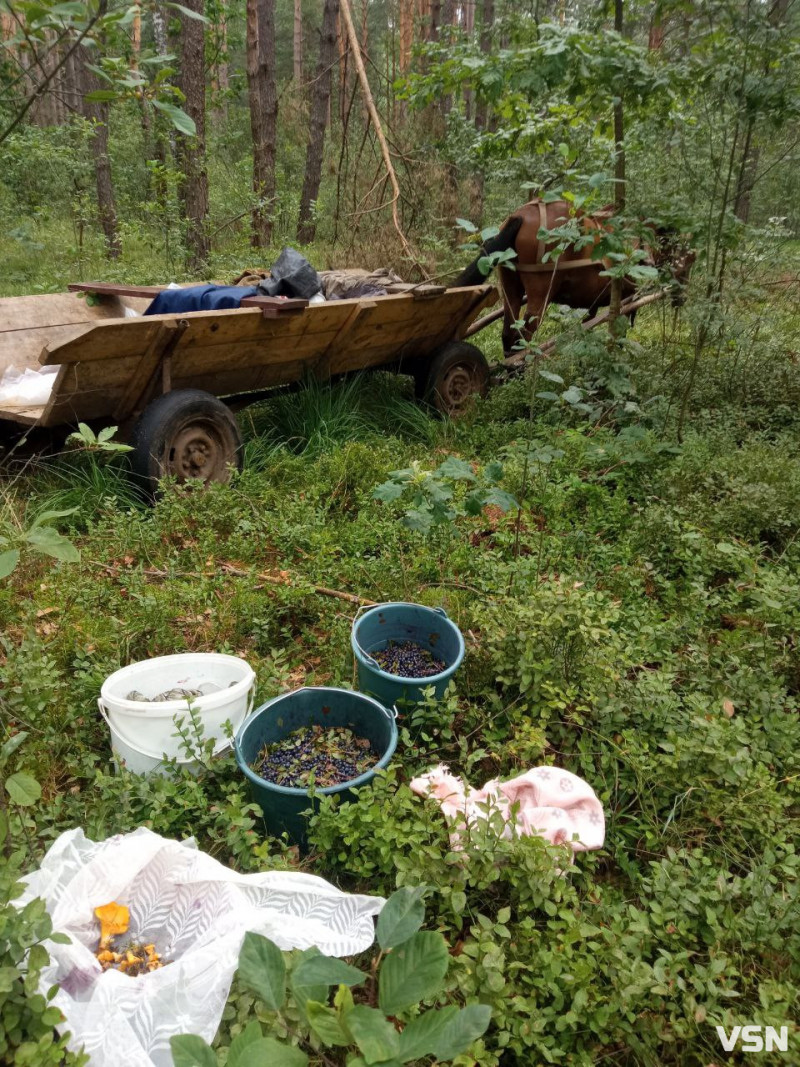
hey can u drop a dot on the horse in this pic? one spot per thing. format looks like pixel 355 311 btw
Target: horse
pixel 573 277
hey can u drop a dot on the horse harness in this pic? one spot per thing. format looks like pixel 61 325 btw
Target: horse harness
pixel 553 265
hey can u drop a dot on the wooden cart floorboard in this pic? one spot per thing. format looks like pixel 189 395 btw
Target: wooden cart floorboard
pixel 106 362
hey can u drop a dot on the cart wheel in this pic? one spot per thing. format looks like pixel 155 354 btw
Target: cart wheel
pixel 455 374
pixel 186 434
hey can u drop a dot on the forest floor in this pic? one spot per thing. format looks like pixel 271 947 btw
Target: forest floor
pixel 635 622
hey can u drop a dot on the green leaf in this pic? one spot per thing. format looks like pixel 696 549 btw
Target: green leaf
pixel 263 970
pixel 493 472
pixel 48 516
pixel 551 376
pixel 418 519
pixel 375 1036
pixel 456 469
pixel 106 434
pixel 501 499
pixel 237 1054
pixel 458 901
pixel 101 96
pixel 419 1038
pixel 8 976
pixel 3 836
pixel 38 957
pixel 267 1052
pixel 324 1021
pixel 180 120
pixel 327 971
pixel 461 1030
pixel 23 789
pixel 388 492
pixel 305 992
pixel 572 395
pixel 401 917
pixel 412 972
pixel 189 1050
pixel 8 561
pixel 50 542
pixel 10 746
pixel 465 224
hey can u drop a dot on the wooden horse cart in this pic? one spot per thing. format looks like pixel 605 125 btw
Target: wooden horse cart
pixel 170 382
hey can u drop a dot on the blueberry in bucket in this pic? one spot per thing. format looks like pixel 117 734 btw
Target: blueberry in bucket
pixel 407 659
pixel 325 756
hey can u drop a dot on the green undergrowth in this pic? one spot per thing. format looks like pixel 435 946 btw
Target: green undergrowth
pixel 635 623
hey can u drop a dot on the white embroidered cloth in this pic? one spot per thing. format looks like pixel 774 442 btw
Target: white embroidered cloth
pixel 557 805
pixel 196 912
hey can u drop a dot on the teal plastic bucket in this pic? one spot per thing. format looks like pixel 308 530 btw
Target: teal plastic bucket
pixel 314 705
pixel 428 627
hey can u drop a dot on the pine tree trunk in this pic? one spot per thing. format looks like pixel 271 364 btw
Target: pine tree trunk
pixel 297 40
pixel 192 150
pixel 263 113
pixel 97 114
pixel 306 227
pixel 619 181
pixel 481 110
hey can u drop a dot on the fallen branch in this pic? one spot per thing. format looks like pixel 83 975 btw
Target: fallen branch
pixel 355 48
pixel 284 578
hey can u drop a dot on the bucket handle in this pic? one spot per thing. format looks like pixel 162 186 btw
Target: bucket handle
pixel 115 729
pixel 370 659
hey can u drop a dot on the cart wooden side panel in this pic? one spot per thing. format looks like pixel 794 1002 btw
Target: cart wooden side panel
pixel 232 352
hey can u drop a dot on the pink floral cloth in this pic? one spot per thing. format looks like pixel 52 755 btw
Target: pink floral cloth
pixel 554 804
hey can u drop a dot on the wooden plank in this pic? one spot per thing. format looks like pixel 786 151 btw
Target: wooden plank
pixel 148 365
pixel 322 368
pixel 113 289
pixel 53 309
pixel 24 416
pixel 22 348
pixel 278 304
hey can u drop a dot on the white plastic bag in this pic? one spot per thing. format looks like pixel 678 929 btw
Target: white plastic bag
pixel 196 912
pixel 27 388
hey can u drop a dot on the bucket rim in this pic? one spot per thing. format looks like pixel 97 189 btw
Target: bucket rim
pixel 430 679
pixel 327 790
pixel 167 708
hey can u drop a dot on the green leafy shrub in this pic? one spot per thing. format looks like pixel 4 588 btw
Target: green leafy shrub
pixel 408 970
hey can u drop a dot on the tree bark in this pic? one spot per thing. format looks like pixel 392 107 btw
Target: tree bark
pixel 297 42
pixel 192 150
pixel 97 114
pixel 320 102
pixel 619 180
pixel 481 110
pixel 263 113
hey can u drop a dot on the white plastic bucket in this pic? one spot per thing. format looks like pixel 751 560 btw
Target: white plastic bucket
pixel 146 730
pixel 127 755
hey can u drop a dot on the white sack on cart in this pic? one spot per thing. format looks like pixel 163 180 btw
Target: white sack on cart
pixel 27 388
pixel 196 912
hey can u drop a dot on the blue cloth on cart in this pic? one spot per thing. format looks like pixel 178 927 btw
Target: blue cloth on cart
pixel 200 298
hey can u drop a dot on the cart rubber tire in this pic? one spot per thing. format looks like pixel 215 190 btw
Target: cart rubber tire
pixel 456 373
pixel 185 434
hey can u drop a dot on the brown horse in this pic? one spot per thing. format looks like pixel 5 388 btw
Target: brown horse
pixel 573 278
